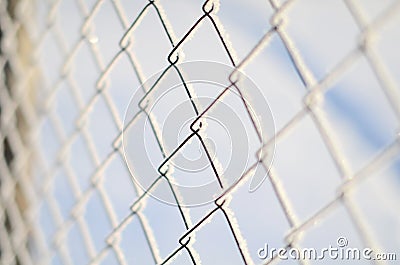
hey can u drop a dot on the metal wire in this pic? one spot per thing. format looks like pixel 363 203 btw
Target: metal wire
pixel 27 187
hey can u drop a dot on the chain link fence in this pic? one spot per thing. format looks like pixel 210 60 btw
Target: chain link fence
pixel 70 67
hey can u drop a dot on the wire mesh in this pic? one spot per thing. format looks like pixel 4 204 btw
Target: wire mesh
pixel 67 195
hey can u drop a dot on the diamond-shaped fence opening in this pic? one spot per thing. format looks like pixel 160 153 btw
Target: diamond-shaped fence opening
pixel 89 174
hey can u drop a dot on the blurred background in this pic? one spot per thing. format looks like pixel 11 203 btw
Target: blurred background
pixel 329 71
